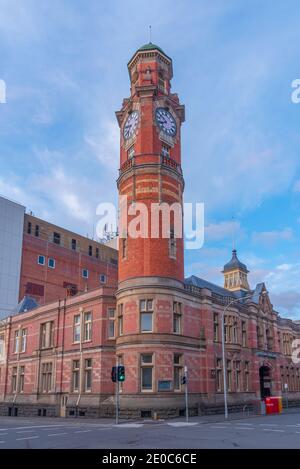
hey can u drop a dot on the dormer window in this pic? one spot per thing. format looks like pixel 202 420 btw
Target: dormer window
pixel 131 152
pixel 165 151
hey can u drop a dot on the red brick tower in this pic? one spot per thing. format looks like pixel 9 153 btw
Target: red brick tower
pixel 150 170
pixel 151 269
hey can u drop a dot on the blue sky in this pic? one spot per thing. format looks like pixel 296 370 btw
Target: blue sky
pixel 64 64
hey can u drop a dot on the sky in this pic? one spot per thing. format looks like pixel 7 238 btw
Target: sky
pixel 64 63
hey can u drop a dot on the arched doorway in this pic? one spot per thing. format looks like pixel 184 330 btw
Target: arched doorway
pixel 265 381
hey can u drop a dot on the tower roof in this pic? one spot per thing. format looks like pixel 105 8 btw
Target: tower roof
pixel 234 264
pixel 149 47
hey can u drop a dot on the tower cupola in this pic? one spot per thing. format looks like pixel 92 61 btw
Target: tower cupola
pixel 235 274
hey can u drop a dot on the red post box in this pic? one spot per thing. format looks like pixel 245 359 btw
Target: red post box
pixel 273 405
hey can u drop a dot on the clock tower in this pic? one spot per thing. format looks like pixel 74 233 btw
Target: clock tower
pixel 151 265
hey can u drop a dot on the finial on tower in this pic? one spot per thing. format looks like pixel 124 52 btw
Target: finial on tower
pixel 150 34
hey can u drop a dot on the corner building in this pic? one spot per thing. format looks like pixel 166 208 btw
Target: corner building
pixel 56 359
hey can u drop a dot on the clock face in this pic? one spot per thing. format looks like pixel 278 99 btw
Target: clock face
pixel 131 125
pixel 166 121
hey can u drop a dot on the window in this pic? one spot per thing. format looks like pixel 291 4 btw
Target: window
pixel 76 328
pixel 124 248
pixel 22 379
pixel 17 341
pixel 29 227
pixel 97 253
pixel 244 334
pixel 75 375
pixel 2 344
pixel 146 372
pixel 47 334
pixel 90 250
pixel 229 375
pixel 24 340
pixel 165 151
pixel 120 319
pixel 14 379
pixel 234 331
pixel 279 341
pixel 219 374
pixel 37 231
pixel 172 244
pixel 88 374
pixel 103 278
pixel 85 273
pixel 177 317
pixel 226 329
pixel 237 375
pixel 216 327
pixel 73 244
pixel 56 238
pixel 41 260
pixel 146 314
pixel 177 371
pixel 111 323
pixel 46 381
pixel 51 263
pixel 131 152
pixel 87 326
pixel 246 377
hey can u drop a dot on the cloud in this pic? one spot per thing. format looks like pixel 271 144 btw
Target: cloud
pixel 268 238
pixel 223 230
pixel 104 142
pixel 297 186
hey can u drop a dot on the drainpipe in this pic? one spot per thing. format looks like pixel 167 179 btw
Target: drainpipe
pixel 18 363
pixel 7 348
pixel 80 360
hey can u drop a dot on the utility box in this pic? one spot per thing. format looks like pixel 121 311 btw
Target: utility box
pixel 273 405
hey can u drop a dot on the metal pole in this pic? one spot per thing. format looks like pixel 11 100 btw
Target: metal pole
pixel 186 394
pixel 224 367
pixel 117 395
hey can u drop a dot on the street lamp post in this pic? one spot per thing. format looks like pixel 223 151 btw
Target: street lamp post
pixel 236 300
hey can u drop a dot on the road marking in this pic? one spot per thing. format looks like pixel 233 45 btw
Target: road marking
pixel 244 424
pixel 244 428
pixel 1 442
pixel 83 431
pixel 3 434
pixel 292 426
pixel 31 426
pixel 273 430
pixel 182 424
pixel 27 438
pixel 269 424
pixel 130 425
pixel 57 434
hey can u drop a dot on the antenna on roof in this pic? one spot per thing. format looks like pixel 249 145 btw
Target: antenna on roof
pixel 233 233
pixel 150 33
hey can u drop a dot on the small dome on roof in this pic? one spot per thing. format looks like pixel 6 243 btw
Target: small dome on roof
pixel 235 263
pixel 151 46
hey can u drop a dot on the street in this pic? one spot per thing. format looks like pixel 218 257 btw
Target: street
pixel 278 431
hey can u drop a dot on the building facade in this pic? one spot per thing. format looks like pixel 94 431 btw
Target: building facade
pixel 11 235
pixel 56 358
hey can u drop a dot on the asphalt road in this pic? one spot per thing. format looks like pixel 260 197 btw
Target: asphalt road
pixel 280 431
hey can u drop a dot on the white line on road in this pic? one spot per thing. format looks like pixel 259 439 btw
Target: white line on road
pixel 244 428
pixel 273 430
pixel 27 438
pixel 1 442
pixel 57 434
pixel 240 424
pixel 182 424
pixel 83 431
pixel 269 424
